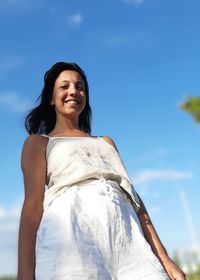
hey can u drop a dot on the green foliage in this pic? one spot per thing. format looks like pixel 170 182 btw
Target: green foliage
pixel 192 106
pixel 195 276
pixel 192 276
pixel 8 278
pixel 176 258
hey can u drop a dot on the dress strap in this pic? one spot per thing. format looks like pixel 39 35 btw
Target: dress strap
pixel 44 135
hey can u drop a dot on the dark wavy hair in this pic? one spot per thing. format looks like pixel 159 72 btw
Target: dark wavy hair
pixel 42 119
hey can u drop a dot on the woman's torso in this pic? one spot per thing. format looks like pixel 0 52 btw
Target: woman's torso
pixel 74 159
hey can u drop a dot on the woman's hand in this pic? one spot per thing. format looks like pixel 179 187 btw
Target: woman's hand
pixel 174 272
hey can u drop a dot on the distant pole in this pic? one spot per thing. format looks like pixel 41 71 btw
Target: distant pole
pixel 188 218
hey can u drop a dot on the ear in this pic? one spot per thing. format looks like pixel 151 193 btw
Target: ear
pixel 52 102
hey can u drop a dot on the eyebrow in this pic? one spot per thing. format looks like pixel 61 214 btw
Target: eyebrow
pixel 66 81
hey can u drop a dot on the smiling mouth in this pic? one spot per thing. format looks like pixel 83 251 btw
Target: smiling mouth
pixel 72 102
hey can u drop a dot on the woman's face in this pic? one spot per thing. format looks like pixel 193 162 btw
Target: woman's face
pixel 69 94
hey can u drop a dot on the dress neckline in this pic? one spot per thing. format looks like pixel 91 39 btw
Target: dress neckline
pixel 65 137
pixel 48 136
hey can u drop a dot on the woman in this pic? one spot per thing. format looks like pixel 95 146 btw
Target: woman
pixel 89 223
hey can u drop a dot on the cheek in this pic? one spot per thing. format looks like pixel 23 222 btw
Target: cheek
pixel 57 97
pixel 84 96
pixel 84 100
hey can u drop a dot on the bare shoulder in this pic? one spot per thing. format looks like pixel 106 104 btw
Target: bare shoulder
pixel 110 141
pixel 35 142
pixel 34 147
pixel 34 167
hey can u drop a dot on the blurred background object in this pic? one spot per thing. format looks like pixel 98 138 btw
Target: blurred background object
pixel 192 106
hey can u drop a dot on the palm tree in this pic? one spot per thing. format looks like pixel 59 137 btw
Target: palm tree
pixel 192 106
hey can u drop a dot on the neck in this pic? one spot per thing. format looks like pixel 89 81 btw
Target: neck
pixel 65 124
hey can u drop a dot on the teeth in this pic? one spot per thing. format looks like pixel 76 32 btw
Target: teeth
pixel 72 101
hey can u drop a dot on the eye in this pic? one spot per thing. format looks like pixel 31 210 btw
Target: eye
pixel 64 87
pixel 80 86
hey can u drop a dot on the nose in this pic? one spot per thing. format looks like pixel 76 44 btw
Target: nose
pixel 72 89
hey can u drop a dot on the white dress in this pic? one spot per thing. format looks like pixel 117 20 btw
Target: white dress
pixel 89 228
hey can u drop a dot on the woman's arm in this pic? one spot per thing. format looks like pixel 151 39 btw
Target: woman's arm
pixel 174 272
pixel 34 171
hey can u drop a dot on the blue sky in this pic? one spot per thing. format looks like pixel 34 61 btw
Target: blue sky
pixel 142 60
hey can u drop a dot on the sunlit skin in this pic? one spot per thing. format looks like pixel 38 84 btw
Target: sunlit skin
pixel 68 86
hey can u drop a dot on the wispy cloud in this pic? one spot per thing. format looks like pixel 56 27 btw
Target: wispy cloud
pixel 149 175
pixel 115 40
pixel 136 2
pixel 9 224
pixel 154 210
pixel 134 39
pixel 12 212
pixel 9 63
pixel 14 102
pixel 75 20
pixel 153 155
pixel 20 5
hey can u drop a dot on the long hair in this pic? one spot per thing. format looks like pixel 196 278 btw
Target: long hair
pixel 42 119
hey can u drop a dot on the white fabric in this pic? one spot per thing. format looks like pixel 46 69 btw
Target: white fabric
pixel 75 159
pixel 92 232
